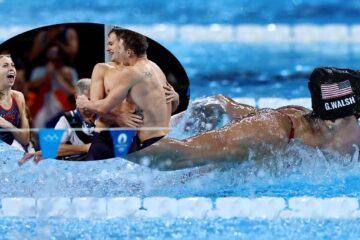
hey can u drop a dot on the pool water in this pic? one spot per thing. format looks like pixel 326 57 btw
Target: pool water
pixel 258 70
pixel 302 172
pixel 175 12
pixel 13 228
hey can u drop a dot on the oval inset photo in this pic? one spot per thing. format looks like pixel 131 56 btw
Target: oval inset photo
pixel 84 91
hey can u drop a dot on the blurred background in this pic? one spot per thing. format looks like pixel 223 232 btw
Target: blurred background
pixel 51 59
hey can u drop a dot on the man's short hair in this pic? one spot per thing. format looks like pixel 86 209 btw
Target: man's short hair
pixel 132 40
pixel 82 85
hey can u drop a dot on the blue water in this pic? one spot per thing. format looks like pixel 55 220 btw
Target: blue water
pixel 13 228
pixel 260 70
pixel 179 12
pixel 254 71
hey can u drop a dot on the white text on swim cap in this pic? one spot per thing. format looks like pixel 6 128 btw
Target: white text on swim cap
pixel 339 103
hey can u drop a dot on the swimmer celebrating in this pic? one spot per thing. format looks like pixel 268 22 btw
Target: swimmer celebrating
pixel 331 126
pixel 134 78
pixel 12 106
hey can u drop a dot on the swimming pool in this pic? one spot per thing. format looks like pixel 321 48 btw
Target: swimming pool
pixel 258 69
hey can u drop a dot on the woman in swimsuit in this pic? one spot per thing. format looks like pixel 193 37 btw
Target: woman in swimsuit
pixel 12 106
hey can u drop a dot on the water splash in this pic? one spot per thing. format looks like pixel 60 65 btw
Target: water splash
pixel 298 171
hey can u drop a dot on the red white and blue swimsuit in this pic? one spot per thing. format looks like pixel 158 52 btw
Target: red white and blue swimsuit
pixel 11 115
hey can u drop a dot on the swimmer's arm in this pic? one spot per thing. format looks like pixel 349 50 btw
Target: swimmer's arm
pixel 115 97
pixel 97 89
pixel 172 154
pixel 165 155
pixel 224 105
pixel 64 150
pixel 232 143
pixel 70 149
pixel 122 119
pixel 67 150
pixel 234 109
pixel 104 106
pixel 22 137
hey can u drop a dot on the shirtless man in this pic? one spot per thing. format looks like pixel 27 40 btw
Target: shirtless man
pixel 331 126
pixel 131 77
pixel 12 106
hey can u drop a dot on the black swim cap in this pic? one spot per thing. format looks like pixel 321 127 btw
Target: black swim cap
pixel 335 92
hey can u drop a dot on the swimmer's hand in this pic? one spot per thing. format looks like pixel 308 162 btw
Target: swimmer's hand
pixel 27 156
pixel 171 97
pixel 82 101
pixel 129 120
pixel 170 93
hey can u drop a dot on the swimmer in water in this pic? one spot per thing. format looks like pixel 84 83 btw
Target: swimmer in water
pixel 12 106
pixel 331 126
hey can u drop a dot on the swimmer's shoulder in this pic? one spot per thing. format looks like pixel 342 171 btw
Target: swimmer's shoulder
pixel 154 65
pixel 292 109
pixel 99 69
pixel 112 65
pixel 132 74
pixel 19 96
pixel 147 72
pixel 19 99
pixel 156 69
pixel 102 67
